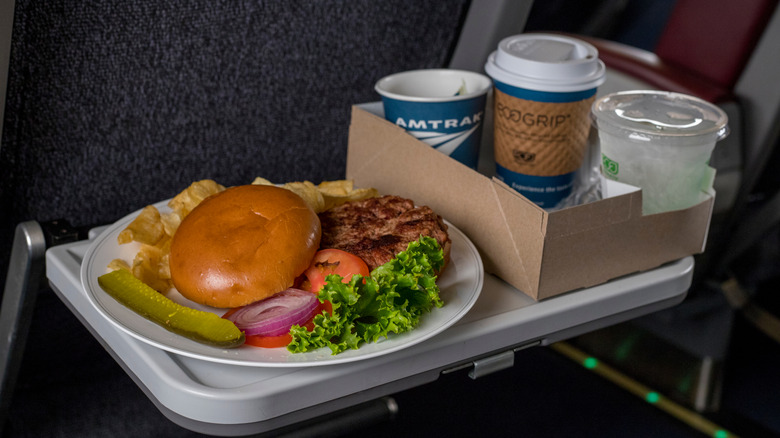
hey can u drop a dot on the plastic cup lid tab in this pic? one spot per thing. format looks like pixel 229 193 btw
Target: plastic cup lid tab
pixel 545 62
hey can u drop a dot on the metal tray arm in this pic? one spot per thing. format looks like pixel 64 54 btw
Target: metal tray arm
pixel 26 277
pixel 26 269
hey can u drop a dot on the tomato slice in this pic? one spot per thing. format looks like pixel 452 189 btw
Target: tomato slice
pixel 324 263
pixel 269 341
pixel 333 261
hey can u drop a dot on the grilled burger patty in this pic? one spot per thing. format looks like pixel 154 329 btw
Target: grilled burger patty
pixel 377 229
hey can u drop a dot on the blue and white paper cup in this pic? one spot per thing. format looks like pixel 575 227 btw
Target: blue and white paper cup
pixel 544 87
pixel 444 108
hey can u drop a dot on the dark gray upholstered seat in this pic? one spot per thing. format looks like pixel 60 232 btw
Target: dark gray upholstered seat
pixel 113 105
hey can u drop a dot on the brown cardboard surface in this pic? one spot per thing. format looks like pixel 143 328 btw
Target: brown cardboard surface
pixel 540 253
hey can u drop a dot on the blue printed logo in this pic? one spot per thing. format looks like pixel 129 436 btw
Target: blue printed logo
pixel 453 128
pixel 443 141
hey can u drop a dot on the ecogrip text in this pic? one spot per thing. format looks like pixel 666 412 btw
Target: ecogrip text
pixel 531 119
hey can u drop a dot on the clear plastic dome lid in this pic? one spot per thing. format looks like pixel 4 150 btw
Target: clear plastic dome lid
pixel 660 117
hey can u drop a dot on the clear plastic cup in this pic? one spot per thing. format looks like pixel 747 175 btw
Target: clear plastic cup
pixel 660 142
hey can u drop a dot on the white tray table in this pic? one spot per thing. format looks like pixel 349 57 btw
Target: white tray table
pixel 229 400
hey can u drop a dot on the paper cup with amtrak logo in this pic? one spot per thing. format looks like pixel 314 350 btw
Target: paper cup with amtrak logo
pixel 444 108
pixel 544 87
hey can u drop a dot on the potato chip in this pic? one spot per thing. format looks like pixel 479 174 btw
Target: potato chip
pixel 340 187
pixel 354 195
pixel 163 266
pixel 309 193
pixel 117 264
pixel 170 222
pixel 147 266
pixel 326 194
pixel 189 198
pixel 146 228
pixel 259 181
pixel 341 191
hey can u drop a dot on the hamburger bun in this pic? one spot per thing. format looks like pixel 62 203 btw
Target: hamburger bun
pixel 242 245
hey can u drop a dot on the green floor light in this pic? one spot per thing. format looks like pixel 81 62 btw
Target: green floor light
pixel 590 363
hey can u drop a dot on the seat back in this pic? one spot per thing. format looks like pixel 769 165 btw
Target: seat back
pixel 756 211
pixel 714 38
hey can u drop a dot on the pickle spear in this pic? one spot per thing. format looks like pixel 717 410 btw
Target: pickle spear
pixel 197 325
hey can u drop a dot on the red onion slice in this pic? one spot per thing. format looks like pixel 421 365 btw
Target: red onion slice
pixel 275 315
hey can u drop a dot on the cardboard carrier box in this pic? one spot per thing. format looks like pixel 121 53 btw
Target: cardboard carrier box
pixel 541 253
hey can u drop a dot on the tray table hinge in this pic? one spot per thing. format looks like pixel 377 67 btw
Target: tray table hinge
pixel 489 365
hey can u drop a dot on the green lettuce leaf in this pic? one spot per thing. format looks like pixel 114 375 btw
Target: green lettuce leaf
pixel 391 300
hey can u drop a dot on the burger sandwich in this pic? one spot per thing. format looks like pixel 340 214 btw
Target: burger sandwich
pixel 306 276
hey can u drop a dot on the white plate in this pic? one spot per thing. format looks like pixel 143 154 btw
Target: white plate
pixel 460 286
